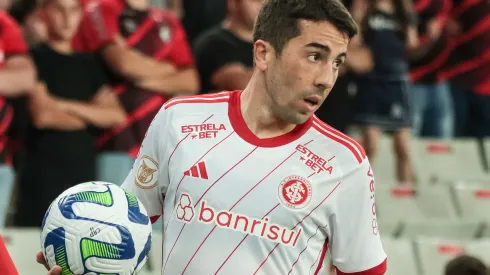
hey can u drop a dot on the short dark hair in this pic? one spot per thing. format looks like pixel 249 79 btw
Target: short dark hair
pixel 278 20
pixel 466 265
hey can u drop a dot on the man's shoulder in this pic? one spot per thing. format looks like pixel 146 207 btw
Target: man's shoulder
pixel 346 149
pixel 215 37
pixel 185 105
pixel 101 6
pixel 6 20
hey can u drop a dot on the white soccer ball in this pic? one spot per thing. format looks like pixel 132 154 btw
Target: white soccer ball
pixel 96 228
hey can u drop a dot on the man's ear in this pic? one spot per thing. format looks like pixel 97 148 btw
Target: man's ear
pixel 263 54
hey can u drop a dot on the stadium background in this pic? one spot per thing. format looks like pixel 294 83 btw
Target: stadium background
pixel 444 213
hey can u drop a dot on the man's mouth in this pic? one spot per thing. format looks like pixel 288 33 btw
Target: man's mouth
pixel 312 100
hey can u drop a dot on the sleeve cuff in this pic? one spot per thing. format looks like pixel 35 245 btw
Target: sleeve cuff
pixel 377 270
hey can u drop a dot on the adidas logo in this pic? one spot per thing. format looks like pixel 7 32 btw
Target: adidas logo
pixel 197 171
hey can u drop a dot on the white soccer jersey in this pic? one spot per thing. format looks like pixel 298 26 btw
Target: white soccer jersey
pixel 238 204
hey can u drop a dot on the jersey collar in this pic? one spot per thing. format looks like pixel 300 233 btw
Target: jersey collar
pixel 241 128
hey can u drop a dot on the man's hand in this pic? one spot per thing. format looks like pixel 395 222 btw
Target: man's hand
pixel 434 29
pixel 105 98
pixel 56 270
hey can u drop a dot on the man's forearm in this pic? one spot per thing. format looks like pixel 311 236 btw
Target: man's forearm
pixel 58 120
pixel 185 82
pixel 16 81
pixel 96 115
pixel 133 65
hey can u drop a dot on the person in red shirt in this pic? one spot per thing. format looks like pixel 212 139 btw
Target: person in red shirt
pixel 17 77
pixel 7 267
pixel 149 60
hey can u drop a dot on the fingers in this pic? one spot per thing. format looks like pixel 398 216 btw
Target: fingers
pixel 56 270
pixel 40 259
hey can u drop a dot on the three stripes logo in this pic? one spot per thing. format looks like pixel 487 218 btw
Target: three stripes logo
pixel 197 171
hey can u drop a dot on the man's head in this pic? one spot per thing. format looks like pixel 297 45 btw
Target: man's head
pixel 299 46
pixel 244 11
pixel 466 265
pixel 62 18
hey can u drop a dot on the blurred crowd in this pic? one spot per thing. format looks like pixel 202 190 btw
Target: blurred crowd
pixel 81 80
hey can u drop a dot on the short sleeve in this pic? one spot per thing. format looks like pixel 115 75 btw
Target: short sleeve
pixel 212 53
pixel 99 26
pixel 181 54
pixel 355 243
pixel 12 36
pixel 148 179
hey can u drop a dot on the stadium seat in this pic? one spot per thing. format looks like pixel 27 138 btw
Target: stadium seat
pixel 434 254
pixel 473 201
pixel 447 229
pixel 399 204
pixel 479 249
pixel 384 163
pixel 401 257
pixel 448 161
pixel 113 167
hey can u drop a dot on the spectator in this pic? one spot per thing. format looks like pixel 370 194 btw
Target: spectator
pixel 33 28
pixel 224 54
pixel 149 60
pixel 17 76
pixel 69 99
pixel 337 110
pixel 382 98
pixel 432 104
pixel 468 67
pixel 466 265
pixel 199 16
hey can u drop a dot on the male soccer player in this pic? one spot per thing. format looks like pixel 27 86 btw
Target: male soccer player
pixel 251 181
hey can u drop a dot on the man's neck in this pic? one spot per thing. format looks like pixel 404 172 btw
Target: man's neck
pixel 60 46
pixel 238 29
pixel 255 105
pixel 138 4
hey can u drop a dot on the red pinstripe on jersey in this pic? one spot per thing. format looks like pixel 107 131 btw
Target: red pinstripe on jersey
pixel 238 201
pixel 341 138
pixel 312 210
pixel 183 176
pixel 199 200
pixel 322 257
pixel 317 258
pixel 316 231
pixel 209 98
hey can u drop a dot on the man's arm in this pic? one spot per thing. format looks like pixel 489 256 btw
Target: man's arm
pixel 230 77
pixel 416 48
pixel 104 111
pixel 354 241
pixel 185 82
pixel 46 114
pixel 133 65
pixel 148 180
pixel 17 77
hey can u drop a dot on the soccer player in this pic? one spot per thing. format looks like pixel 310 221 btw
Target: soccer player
pixel 251 181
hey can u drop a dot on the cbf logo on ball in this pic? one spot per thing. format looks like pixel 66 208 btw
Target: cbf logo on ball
pixel 295 192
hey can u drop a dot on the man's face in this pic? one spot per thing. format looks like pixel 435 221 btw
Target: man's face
pixel 299 80
pixel 249 10
pixel 62 18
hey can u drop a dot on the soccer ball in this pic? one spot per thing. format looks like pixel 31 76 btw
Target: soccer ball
pixel 96 228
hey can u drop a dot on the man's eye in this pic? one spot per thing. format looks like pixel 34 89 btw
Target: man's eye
pixel 338 63
pixel 314 57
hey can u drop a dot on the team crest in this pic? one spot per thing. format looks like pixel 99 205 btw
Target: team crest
pixel 147 177
pixel 295 192
pixel 165 34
